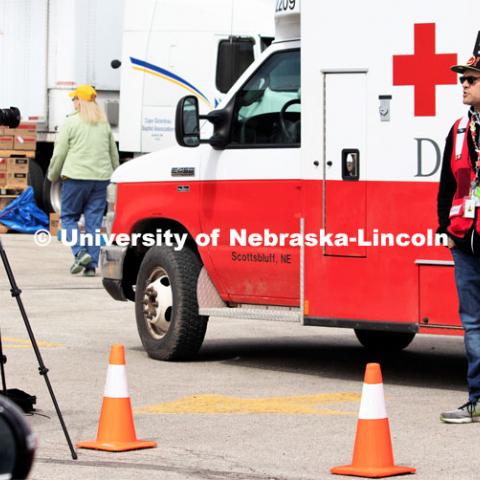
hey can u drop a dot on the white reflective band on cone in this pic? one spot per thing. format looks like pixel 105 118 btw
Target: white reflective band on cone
pixel 372 406
pixel 116 384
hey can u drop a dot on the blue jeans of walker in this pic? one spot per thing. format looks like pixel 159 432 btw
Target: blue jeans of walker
pixel 88 197
pixel 467 277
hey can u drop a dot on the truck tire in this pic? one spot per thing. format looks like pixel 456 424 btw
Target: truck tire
pixel 51 196
pixel 35 180
pixel 166 306
pixel 381 341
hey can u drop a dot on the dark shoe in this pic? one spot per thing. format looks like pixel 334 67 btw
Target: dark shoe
pixel 89 272
pixel 82 259
pixel 468 413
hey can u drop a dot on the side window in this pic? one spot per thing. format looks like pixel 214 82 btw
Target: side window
pixel 267 107
pixel 234 56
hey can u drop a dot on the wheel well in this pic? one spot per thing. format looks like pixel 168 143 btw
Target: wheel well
pixel 43 154
pixel 135 254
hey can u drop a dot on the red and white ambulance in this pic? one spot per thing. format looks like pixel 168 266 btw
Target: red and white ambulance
pixel 322 218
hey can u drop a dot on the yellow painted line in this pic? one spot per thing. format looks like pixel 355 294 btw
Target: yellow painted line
pixel 9 342
pixel 303 405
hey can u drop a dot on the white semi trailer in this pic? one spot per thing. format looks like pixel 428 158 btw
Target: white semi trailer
pixel 146 53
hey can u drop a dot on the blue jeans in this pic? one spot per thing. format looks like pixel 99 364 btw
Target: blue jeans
pixel 467 277
pixel 88 197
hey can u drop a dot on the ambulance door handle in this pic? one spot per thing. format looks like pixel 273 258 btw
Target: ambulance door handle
pixel 350 164
pixel 329 163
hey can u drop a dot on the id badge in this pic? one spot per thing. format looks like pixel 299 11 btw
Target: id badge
pixel 469 208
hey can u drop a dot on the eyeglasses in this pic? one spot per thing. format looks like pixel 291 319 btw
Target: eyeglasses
pixel 470 79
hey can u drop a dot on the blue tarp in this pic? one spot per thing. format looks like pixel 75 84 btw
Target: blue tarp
pixel 23 215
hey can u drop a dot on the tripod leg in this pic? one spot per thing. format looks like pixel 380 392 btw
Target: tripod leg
pixel 16 292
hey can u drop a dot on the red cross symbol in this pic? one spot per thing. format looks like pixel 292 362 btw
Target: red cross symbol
pixel 424 69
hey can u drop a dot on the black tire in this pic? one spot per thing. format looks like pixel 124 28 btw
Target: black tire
pixel 35 180
pixel 47 205
pixel 381 341
pixel 166 290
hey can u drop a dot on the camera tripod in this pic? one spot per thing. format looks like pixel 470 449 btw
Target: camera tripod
pixel 43 370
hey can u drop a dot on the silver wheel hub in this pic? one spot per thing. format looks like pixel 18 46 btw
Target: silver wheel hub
pixel 157 303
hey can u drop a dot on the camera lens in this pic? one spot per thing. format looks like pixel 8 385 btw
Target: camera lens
pixel 10 117
pixel 17 442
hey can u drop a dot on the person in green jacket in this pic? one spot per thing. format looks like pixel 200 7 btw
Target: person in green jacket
pixel 84 157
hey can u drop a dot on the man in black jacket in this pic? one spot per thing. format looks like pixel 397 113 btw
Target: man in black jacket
pixel 458 216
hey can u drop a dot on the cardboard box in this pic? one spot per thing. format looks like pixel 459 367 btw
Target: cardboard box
pixel 3 179
pixel 6 142
pixel 16 180
pixel 54 224
pixel 3 164
pixel 17 165
pixel 25 130
pixel 23 142
pixel 3 228
pixel 4 201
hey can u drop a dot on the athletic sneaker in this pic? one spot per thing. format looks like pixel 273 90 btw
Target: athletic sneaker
pixel 89 272
pixel 468 413
pixel 82 259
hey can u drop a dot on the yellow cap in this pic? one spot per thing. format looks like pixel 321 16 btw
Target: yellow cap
pixel 84 92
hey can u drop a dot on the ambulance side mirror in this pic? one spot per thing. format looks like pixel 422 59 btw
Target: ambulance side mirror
pixel 187 126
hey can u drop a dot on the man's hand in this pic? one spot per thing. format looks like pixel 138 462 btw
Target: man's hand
pixel 450 243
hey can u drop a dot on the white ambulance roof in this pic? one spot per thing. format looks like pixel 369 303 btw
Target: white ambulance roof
pixel 287 20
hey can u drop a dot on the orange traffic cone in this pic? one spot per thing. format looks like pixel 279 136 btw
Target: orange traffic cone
pixel 372 453
pixel 116 430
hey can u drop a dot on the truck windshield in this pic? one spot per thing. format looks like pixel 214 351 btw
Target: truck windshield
pixel 267 107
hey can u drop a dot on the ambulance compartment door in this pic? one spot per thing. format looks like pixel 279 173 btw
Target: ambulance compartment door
pixel 345 117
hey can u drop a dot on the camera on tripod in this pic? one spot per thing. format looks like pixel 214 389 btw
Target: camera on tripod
pixel 10 117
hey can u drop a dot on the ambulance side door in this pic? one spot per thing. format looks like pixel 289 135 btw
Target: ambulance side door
pixel 253 186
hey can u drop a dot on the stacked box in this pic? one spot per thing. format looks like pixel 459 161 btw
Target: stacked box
pixel 3 172
pixel 15 180
pixel 16 144
pixel 14 172
pixel 6 142
pixel 17 165
pixel 4 201
pixel 54 224
pixel 25 137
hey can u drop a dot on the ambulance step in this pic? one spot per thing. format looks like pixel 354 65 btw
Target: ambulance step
pixel 275 314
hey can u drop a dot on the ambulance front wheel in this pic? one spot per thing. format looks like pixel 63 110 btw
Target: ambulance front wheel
pixel 384 341
pixel 166 306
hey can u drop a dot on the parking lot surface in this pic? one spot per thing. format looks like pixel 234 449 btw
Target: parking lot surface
pixel 262 401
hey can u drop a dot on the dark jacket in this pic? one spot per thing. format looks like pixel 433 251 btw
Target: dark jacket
pixel 447 188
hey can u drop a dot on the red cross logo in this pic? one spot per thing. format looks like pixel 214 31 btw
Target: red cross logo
pixel 424 69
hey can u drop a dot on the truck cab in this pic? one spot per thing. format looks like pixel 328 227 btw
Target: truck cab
pixel 215 186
